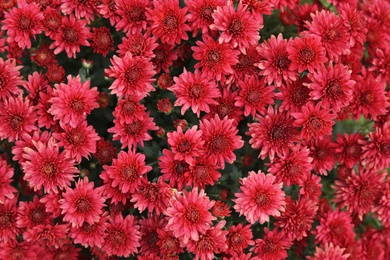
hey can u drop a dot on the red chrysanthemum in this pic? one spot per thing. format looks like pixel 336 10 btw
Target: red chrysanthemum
pixel 47 236
pixel 238 238
pixel 259 8
pixel 211 243
pixel 329 252
pixel 164 55
pixel 51 22
pixel 102 41
pixel 122 236
pixel 45 166
pixel 55 73
pixel 84 9
pixel 254 95
pixel 237 26
pixel 221 139
pixel 79 141
pixel 220 209
pixel 23 22
pixel 274 133
pixel 168 21
pixel 259 197
pixel 107 9
pixel 83 204
pixel 22 250
pixel 8 214
pixel 382 209
pixel 72 34
pixel 45 119
pixel 272 246
pixel 330 29
pixel 168 243
pixel 380 62
pixel 6 189
pixel 196 91
pixel 315 121
pixel 306 53
pixel 132 15
pixel 115 196
pixel 133 76
pixel 140 44
pixel 129 110
pixel 348 148
pixel 355 22
pixel 10 79
pixel 189 216
pixel 43 56
pixel 32 214
pixel 17 117
pixel 202 172
pixel 274 63
pixel 149 234
pixel 245 66
pixel 359 192
pixel 323 154
pixel 105 151
pixel 52 205
pixel 294 95
pixel 127 171
pixel 215 59
pixel 72 102
pixel 311 187
pixel 172 170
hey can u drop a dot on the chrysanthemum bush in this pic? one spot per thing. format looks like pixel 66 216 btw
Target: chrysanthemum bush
pixel 195 129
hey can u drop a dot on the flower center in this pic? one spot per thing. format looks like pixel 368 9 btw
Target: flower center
pixel 37 215
pixel 133 128
pixel 118 238
pixel 367 98
pixel 223 110
pixel 25 23
pixel 300 95
pixel 16 122
pixel 5 219
pixel 334 89
pixel 151 193
pixel 214 56
pixel 192 214
pixel 306 55
pixel 129 172
pixel 132 75
pixel 261 199
pixel 48 169
pixel 278 133
pixel 76 138
pixel 83 204
pixel 181 167
pixel 70 35
pixel 170 22
pixel 77 106
pixel 135 14
pixel 253 97
pixel 201 172
pixel 282 62
pixel 184 146
pixel 315 124
pixel 87 228
pixel 219 143
pixel 206 12
pixel 128 107
pixel 236 27
pixel 196 91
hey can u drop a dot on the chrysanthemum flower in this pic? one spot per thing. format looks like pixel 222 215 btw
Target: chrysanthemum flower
pixel 220 209
pixel 17 117
pixel 149 234
pixel 330 29
pixel 329 252
pixel 72 34
pixel 172 170
pixel 72 102
pixel 254 95
pixel 83 204
pixel 47 235
pixel 52 205
pixel 15 249
pixel 102 41
pixel 245 65
pixel 105 151
pixel 382 209
pixel 315 121
pixel 127 171
pixel 311 187
pixel 259 8
pixel 259 197
pixel 274 62
pixel 45 119
pixel 66 251
pixel 348 148
pixel 6 189
pixel 274 133
pixel 115 196
pixel 237 26
pixel 10 79
pixel 200 14
pixel 215 59
pixel 168 21
pixel 221 139
pixel 31 214
pixel 189 216
pixel 23 22
pixel 359 192
pixel 272 246
pixel 292 166
pixel 122 236
pixel 298 217
pixel 164 55
pixel 8 214
pixel 43 56
pixel 354 21
pixel 55 73
pixel 335 227
pixel 306 53
pixel 238 238
pixel 85 9
pixel 139 44
pixel 79 141
pixel 136 132
pixel 196 91
pixel 202 172
pixel 211 243
pixel 129 110
pixel 133 75
pixel 36 84
pixel 132 15
pixel 168 243
pixel 51 22
pixel 45 166
pixel 107 9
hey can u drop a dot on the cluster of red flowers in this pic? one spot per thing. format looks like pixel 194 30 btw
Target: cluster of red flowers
pixel 133 127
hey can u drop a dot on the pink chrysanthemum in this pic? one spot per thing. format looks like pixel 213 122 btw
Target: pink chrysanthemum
pixel 17 117
pixel 48 235
pixel 274 62
pixel 51 203
pixel 333 85
pixel 323 154
pixel 259 198
pixel 132 15
pixel 22 250
pixel 168 21
pixel 83 204
pixel 79 141
pixel 330 29
pixel 211 243
pixel 84 9
pixel 196 91
pixel 45 166
pixel 382 209
pixel 274 133
pixel 348 148
pixel 102 41
pixel 115 196
pixel 221 139
pixel 215 59
pixel 32 214
pixel 122 236
pixel 51 22
pixel 315 121
pixel 164 55
pixel 329 252
pixel 200 14
pixel 23 22
pixel 245 65
pixel 237 26
pixel 306 53
pixel 202 172
pixel 37 83
pixel 136 132
pixel 238 238
pixel 107 9
pixel 8 214
pixel 294 95
pixel 72 102
pixel 355 22
pixel 72 34
pixel 6 189
pixel 10 79
pixel 259 8
pixel 186 146
pixel 189 216
pixel 168 243
pixel 359 192
pixel 311 187
pixel 139 44
pixel 129 110
pixel 272 246
pixel 254 95
pixel 149 234
pixel 133 76
pixel 172 170
pixel 127 171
